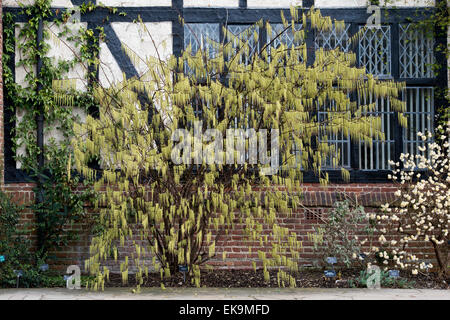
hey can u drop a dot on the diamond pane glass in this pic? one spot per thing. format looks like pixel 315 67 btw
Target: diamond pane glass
pixel 244 33
pixel 375 50
pixel 340 142
pixel 416 53
pixel 332 39
pixel 201 34
pixel 282 36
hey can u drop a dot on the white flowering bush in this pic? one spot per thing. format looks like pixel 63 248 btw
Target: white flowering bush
pixel 421 212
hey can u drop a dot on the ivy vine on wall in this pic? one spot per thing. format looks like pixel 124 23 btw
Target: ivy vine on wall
pixel 62 201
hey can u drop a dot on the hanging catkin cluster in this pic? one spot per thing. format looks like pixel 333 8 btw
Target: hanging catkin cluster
pixel 181 210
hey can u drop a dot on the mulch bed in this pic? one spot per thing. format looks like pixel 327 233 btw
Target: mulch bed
pixel 305 279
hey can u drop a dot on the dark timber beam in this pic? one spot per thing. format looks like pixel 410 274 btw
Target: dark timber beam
pixel 235 15
pixel 40 133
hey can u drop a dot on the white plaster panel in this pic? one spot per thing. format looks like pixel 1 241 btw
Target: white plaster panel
pixel 137 39
pixel 21 72
pixel 109 70
pixel 212 3
pixel 55 3
pixel 53 133
pixel 409 3
pixel 340 3
pixel 111 3
pixel 60 49
pixel 20 151
pixel 365 3
pixel 136 3
pixel 273 3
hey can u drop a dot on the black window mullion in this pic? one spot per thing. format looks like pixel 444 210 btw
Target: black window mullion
pixel 310 35
pixel 308 3
pixel 263 35
pixel 354 144
pixel 177 29
pixel 222 25
pixel 395 71
pixel 395 47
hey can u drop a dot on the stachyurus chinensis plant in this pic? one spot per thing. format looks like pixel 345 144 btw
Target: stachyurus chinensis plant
pixel 181 209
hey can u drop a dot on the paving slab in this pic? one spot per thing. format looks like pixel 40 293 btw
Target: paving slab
pixel 225 294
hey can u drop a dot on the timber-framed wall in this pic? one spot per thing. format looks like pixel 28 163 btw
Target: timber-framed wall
pixel 393 19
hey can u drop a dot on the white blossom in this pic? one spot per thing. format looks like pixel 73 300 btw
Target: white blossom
pixel 422 210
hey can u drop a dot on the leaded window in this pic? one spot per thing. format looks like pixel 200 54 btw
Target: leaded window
pixel 200 35
pixel 282 35
pixel 419 112
pixel 375 50
pixel 333 38
pixel 243 33
pixel 377 154
pixel 337 140
pixel 416 52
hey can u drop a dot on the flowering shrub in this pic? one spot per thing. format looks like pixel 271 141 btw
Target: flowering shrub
pixel 422 212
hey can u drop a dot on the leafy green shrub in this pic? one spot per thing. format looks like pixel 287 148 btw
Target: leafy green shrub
pixel 62 203
pixel 14 246
pixel 54 281
pixel 337 237
pixel 385 281
pixel 61 207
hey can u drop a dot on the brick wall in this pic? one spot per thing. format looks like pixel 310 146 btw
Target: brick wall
pixel 317 201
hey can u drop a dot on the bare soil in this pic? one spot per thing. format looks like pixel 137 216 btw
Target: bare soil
pixel 305 279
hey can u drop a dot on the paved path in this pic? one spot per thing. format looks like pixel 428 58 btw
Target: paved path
pixel 225 294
